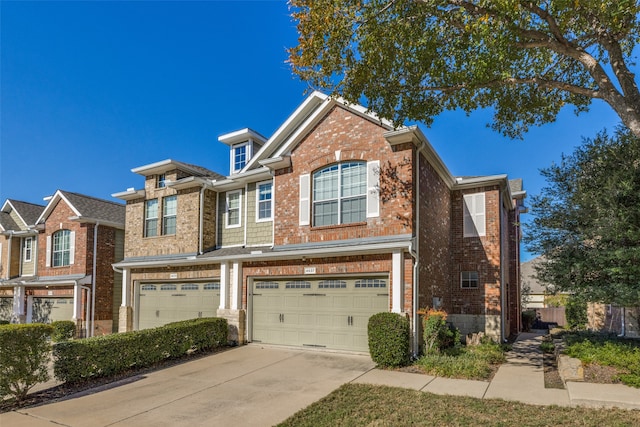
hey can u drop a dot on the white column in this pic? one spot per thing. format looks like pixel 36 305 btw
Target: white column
pixel 29 308
pixel 397 278
pixel 224 285
pixel 126 288
pixel 77 301
pixel 18 302
pixel 236 286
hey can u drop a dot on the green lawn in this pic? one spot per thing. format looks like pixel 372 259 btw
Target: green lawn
pixel 367 405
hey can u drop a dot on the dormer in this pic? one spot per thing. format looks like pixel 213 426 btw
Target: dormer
pixel 243 145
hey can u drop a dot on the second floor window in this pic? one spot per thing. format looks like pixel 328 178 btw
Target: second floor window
pixel 169 211
pixel 340 194
pixel 151 218
pixel 239 157
pixel 61 253
pixel 28 249
pixel 233 209
pixel 264 200
pixel 162 178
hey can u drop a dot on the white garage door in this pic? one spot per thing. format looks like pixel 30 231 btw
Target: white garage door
pixel 47 310
pixel 162 303
pixel 6 308
pixel 332 313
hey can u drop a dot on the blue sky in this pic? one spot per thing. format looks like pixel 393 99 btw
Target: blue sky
pixel 90 90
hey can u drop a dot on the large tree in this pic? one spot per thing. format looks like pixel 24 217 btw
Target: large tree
pixel 587 221
pixel 412 59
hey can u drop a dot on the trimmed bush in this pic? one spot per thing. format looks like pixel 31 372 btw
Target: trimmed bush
pixel 24 354
pixel 389 339
pixel 108 355
pixel 528 318
pixel 63 330
pixel 4 322
pixel 576 312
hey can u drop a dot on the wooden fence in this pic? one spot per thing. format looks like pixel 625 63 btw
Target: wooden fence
pixel 552 314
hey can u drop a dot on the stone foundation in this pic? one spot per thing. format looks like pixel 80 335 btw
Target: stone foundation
pixel 237 320
pixel 472 323
pixel 125 319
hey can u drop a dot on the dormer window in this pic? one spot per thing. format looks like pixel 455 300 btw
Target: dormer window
pixel 240 154
pixel 161 182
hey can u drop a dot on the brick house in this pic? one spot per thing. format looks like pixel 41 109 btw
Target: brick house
pixel 335 217
pixel 77 240
pixel 18 248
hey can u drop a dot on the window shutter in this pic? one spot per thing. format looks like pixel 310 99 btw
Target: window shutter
pixel 373 190
pixel 304 199
pixel 47 261
pixel 72 247
pixel 474 215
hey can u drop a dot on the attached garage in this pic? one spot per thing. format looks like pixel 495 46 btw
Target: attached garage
pixel 6 308
pixel 330 312
pixel 50 309
pixel 162 303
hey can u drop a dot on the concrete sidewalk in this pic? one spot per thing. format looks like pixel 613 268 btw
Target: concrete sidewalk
pixel 520 379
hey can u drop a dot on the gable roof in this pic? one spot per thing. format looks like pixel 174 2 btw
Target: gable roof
pixel 28 214
pixel 7 223
pixel 88 209
pixel 169 164
pixel 312 110
pixel 529 277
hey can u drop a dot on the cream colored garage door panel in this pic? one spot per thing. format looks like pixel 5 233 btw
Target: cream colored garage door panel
pixel 325 313
pixel 47 310
pixel 160 304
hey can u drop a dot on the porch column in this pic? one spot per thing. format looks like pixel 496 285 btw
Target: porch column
pixel 236 286
pixel 397 279
pixel 224 286
pixel 18 304
pixel 125 314
pixel 77 301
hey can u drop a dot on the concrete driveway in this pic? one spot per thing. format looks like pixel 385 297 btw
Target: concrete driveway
pixel 252 385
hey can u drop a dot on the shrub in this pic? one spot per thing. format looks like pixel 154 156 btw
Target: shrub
pixel 389 339
pixel 63 330
pixel 4 322
pixel 438 335
pixel 528 318
pixel 576 312
pixel 109 355
pixel 24 354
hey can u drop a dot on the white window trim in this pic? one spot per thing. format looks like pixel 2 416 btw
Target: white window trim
pixel 340 198
pixel 24 249
pixel 270 218
pixel 232 166
pixel 478 218
pixel 165 216
pixel 239 224
pixel 147 217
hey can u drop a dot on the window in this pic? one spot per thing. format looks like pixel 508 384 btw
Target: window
pixel 371 283
pixel 212 286
pixel 169 209
pixel 190 287
pixel 267 285
pixel 332 284
pixel 233 209
pixel 239 156
pixel 469 279
pixel 28 249
pixel 161 182
pixel 61 255
pixel 340 194
pixel 298 284
pixel 168 287
pixel 151 218
pixel 264 196
pixel 474 215
pixel 148 288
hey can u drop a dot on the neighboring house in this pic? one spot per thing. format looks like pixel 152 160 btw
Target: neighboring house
pixel 18 248
pixel 335 217
pixel 79 238
pixel 536 290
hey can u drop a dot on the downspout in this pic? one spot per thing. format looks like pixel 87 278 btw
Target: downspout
pixel 246 202
pixel 623 324
pixel 93 276
pixel 218 216
pixel 415 253
pixel 502 285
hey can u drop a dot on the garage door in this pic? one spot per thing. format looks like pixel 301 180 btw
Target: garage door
pixel 47 310
pixel 331 313
pixel 6 308
pixel 162 303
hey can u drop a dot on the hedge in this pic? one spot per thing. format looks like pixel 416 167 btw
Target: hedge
pixel 63 330
pixel 108 355
pixel 24 354
pixel 389 339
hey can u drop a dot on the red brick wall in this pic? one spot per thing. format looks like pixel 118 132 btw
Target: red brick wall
pixel 434 238
pixel 480 254
pixel 358 139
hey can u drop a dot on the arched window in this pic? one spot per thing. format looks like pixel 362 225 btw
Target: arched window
pixel 340 194
pixel 61 253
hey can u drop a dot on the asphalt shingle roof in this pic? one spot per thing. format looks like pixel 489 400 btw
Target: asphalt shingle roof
pixel 99 209
pixel 7 222
pixel 30 212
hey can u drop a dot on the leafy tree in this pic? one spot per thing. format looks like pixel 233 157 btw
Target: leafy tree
pixel 587 221
pixel 413 59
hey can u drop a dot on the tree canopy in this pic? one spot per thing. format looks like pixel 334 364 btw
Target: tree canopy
pixel 413 59
pixel 586 221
